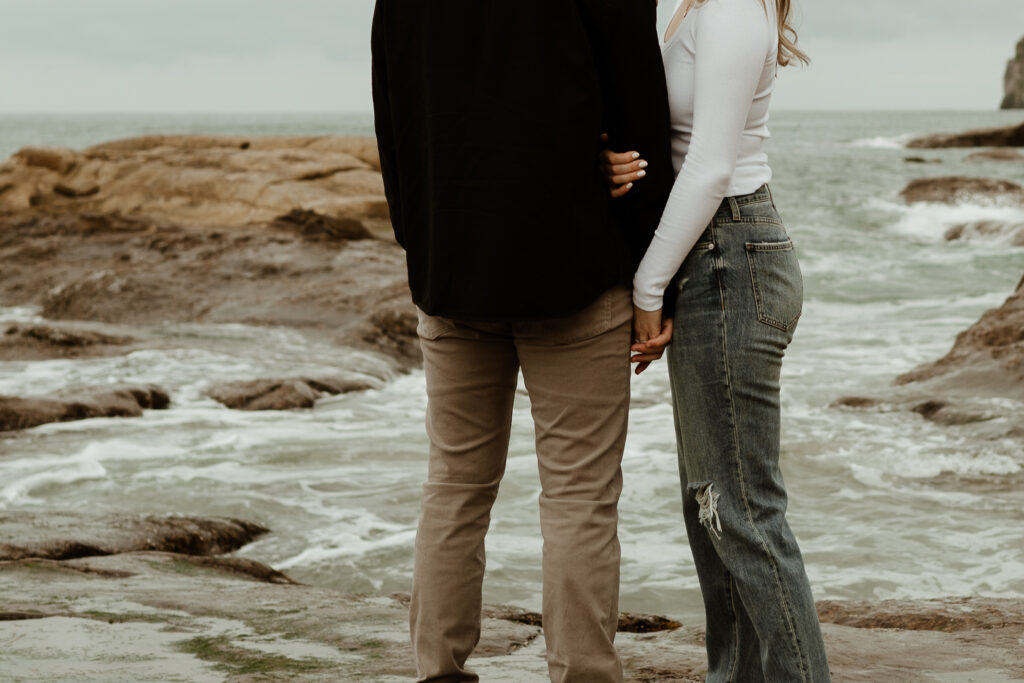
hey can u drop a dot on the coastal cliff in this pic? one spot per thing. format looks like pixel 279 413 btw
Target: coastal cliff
pixel 1014 80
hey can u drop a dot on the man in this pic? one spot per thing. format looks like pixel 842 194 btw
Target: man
pixel 518 265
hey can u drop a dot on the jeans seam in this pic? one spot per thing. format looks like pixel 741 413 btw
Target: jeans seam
pixel 746 503
pixel 735 632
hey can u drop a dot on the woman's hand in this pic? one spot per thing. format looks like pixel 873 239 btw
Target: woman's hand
pixel 622 169
pixel 651 336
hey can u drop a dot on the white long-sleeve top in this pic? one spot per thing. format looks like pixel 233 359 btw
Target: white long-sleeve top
pixel 721 66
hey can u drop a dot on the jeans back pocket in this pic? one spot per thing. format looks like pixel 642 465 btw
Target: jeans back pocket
pixel 777 282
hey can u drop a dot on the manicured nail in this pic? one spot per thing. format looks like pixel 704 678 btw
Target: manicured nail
pixel 643 164
pixel 641 174
pixel 636 155
pixel 629 186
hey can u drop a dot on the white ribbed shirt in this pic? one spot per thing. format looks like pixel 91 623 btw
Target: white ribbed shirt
pixel 721 66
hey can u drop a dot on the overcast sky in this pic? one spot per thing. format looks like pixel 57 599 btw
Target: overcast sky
pixel 313 55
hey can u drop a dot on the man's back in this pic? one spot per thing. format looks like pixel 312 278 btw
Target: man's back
pixel 489 116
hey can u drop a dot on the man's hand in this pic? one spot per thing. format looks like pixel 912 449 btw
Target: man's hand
pixel 651 335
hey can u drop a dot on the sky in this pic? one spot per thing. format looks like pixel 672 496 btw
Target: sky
pixel 313 55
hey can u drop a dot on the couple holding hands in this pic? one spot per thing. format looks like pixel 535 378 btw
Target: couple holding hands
pixel 573 193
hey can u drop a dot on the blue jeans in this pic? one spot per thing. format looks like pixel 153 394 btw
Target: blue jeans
pixel 740 294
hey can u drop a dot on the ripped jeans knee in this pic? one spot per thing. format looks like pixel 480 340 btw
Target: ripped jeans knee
pixel 707 499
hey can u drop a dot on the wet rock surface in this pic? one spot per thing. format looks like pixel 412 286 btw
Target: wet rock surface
pixel 283 394
pixel 80 404
pixel 147 595
pixel 1011 232
pixel 979 384
pixel 39 342
pixel 990 352
pixel 62 536
pixel 143 613
pixel 1007 136
pixel 266 231
pixel 996 155
pixel 955 189
pixel 947 615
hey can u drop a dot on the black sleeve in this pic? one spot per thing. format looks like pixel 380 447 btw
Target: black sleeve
pixel 624 39
pixel 383 123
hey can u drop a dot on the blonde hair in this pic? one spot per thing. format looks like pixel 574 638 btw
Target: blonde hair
pixel 788 50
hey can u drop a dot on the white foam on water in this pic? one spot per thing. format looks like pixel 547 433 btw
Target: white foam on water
pixel 929 221
pixel 19 490
pixel 27 474
pixel 21 314
pixel 884 142
pixel 358 534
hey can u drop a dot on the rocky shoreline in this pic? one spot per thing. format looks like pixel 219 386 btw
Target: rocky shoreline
pixel 111 242
pixel 965 387
pixel 288 232
pixel 150 595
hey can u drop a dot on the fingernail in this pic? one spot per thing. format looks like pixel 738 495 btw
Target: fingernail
pixel 643 164
pixel 641 174
pixel 629 186
pixel 636 155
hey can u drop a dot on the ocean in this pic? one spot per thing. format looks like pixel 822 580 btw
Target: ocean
pixel 885 504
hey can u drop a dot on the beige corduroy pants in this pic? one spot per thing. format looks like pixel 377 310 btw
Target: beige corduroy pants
pixel 577 372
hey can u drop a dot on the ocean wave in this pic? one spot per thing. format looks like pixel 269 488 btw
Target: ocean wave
pixel 930 221
pixel 882 142
pixel 19 490
pixel 21 314
pixel 359 534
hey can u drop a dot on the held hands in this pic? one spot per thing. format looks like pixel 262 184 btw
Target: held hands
pixel 622 169
pixel 651 335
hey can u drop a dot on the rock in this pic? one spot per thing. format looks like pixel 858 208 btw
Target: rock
pixel 75 193
pixel 945 413
pixel 1013 82
pixel 313 225
pixel 241 566
pixel 392 329
pixel 628 623
pixel 968 387
pixel 921 160
pixel 141 614
pixel 62 536
pixel 1003 154
pixel 858 402
pixel 1011 232
pixel 955 189
pixel 55 336
pixel 282 394
pixel 38 342
pixel 988 357
pixel 80 404
pixel 1008 136
pixel 176 179
pixel 950 615
pixel 267 394
pixel 208 229
pixel 60 161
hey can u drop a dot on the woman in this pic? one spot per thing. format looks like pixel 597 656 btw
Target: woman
pixel 722 254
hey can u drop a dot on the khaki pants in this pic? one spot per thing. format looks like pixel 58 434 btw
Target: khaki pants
pixel 577 372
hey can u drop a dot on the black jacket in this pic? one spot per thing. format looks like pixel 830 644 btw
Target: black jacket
pixel 488 118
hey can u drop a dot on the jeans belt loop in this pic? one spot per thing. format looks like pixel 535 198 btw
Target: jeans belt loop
pixel 771 197
pixel 735 207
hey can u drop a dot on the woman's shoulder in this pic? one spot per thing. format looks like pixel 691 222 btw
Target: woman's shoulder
pixel 759 9
pixel 744 16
